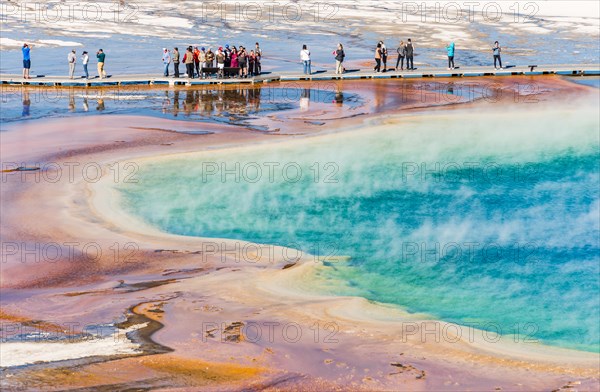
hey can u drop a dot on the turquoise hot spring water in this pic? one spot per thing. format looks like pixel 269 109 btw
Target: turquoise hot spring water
pixel 488 219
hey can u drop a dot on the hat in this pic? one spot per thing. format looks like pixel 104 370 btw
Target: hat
pixel 164 48
pixel 227 46
pixel 220 48
pixel 202 48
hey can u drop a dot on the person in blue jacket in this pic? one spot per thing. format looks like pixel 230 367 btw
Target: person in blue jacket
pixel 450 49
pixel 26 61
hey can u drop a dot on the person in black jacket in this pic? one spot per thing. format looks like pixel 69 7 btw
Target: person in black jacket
pixel 339 59
pixel 410 51
pixel 401 55
pixel 384 56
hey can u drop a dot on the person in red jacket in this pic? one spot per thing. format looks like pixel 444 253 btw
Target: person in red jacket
pixel 197 60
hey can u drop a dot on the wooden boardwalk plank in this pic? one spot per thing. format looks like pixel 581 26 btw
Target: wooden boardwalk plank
pixel 322 75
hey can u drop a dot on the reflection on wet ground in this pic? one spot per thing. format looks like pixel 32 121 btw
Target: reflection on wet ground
pixel 238 105
pixel 232 105
pixel 267 108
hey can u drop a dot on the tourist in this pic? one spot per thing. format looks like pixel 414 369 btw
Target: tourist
pixel 72 59
pixel 26 60
pixel 410 52
pixel 450 49
pixel 197 60
pixel 242 61
pixel 210 57
pixel 166 58
pixel 252 63
pixel 258 52
pixel 339 59
pixel 305 57
pixel 227 53
pixel 234 58
pixel 377 58
pixel 220 63
pixel 188 60
pixel 401 54
pixel 176 61
pixel 202 61
pixel 496 49
pixel 384 55
pixel 101 56
pixel 85 59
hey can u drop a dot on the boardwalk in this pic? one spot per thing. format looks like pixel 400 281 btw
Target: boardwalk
pixel 140 80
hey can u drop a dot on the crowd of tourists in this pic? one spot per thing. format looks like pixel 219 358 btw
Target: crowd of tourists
pixel 237 62
pixel 225 62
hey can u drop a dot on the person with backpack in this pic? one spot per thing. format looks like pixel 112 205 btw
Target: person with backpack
pixel 410 52
pixel 305 57
pixel 450 49
pixel 339 59
pixel 377 58
pixel 166 59
pixel 401 55
pixel 176 61
pixel 496 49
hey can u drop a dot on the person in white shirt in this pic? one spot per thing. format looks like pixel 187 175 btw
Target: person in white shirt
pixel 85 59
pixel 305 57
pixel 166 59
pixel 72 58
